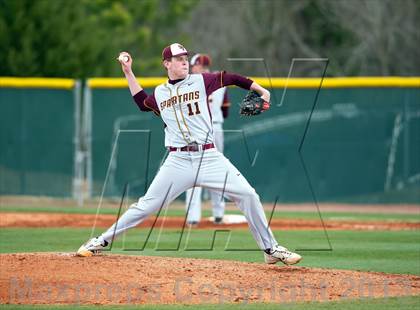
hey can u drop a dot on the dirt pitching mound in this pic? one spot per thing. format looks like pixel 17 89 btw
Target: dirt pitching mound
pixel 62 278
pixel 18 219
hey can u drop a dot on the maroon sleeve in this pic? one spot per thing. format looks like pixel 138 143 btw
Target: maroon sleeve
pixel 225 105
pixel 214 81
pixel 146 103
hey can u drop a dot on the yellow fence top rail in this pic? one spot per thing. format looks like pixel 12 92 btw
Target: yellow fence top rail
pixel 341 82
pixel 148 82
pixel 122 82
pixel 23 82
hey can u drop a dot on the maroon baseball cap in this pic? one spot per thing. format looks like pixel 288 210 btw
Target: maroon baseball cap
pixel 200 59
pixel 172 50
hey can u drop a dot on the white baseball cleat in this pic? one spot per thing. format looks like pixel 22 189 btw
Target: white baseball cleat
pixel 281 254
pixel 92 247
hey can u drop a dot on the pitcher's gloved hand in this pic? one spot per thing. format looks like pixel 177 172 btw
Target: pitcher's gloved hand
pixel 253 104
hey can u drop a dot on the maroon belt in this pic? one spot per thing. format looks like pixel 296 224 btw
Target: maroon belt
pixel 191 148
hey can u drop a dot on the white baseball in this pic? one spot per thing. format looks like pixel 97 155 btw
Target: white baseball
pixel 123 58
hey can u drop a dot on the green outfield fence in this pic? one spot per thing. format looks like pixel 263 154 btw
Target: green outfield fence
pixel 362 144
pixel 38 136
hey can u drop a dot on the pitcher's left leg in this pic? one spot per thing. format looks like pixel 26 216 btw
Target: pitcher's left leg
pixel 236 187
pixel 217 173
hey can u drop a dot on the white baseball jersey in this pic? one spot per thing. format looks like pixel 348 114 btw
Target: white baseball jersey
pixel 185 110
pixel 216 102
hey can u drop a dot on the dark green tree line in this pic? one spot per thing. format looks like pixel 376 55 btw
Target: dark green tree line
pixel 82 38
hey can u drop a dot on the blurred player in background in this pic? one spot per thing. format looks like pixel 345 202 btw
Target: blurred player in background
pixel 219 108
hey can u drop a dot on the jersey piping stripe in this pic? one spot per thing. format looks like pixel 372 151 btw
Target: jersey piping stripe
pixel 176 116
pixel 154 111
pixel 180 107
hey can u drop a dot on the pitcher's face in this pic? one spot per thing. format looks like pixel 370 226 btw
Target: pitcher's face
pixel 177 67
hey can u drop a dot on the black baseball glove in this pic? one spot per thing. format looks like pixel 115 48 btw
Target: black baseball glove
pixel 253 104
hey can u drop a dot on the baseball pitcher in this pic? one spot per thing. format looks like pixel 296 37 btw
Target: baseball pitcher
pixel 182 103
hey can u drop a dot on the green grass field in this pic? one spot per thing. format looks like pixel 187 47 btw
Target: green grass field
pixel 206 213
pixel 382 251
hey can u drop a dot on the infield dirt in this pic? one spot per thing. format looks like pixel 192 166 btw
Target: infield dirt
pixel 62 278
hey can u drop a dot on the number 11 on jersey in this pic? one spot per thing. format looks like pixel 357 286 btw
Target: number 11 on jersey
pixel 190 109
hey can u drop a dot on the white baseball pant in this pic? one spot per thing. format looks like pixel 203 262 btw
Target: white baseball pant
pixel 178 173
